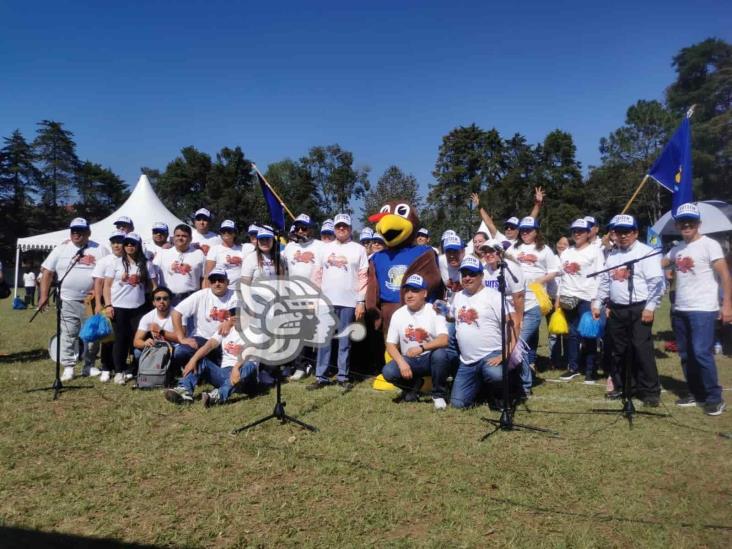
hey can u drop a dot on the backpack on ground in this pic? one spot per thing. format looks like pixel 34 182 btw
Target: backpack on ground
pixel 154 369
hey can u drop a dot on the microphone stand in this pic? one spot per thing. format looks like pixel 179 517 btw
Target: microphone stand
pixel 508 408
pixel 57 386
pixel 628 410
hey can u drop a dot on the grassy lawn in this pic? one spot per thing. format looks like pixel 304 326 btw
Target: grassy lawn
pixel 115 463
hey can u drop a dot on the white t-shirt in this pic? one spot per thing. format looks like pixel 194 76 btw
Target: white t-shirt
pixel 181 272
pixel 78 282
pixel 342 264
pixel 250 268
pixel 412 329
pixel 207 311
pixel 697 288
pixel 29 280
pixel 232 346
pixel 230 259
pixel 535 264
pixel 477 323
pixel 204 242
pixel 303 258
pixel 575 266
pixel 101 266
pixel 490 279
pixel 450 276
pixel 154 249
pixel 153 317
pixel 128 291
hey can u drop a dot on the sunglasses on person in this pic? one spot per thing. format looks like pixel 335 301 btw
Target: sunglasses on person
pixel 623 231
pixel 159 231
pixel 301 228
pixel 161 298
pixel 468 274
pixel 130 243
pixel 201 218
pixel 227 231
pixel 688 223
pixel 509 228
pixel 215 279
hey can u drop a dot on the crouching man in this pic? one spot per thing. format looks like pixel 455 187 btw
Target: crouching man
pixel 417 342
pixel 232 375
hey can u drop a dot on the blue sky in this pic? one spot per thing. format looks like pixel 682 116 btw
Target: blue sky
pixel 137 81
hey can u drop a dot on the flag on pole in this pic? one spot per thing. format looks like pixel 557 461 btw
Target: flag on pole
pixel 672 168
pixel 275 207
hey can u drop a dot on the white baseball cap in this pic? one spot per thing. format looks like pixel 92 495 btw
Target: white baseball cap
pixel 79 223
pixel 342 218
pixel 202 211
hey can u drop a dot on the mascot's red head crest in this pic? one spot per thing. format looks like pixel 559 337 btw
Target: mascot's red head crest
pixel 397 221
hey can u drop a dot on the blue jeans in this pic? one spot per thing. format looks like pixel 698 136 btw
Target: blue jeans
pixel 345 317
pixel 530 334
pixel 589 346
pixel 221 378
pixel 183 353
pixel 434 363
pixel 469 379
pixel 695 339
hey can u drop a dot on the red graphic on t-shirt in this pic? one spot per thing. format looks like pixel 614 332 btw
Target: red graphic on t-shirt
pixel 338 261
pixel 87 260
pixel 219 314
pixel 303 257
pixel 418 335
pixel 204 248
pixel 467 316
pixel 233 260
pixel 454 285
pixel 131 279
pixel 527 258
pixel 620 275
pixel 233 348
pixel 684 264
pixel 181 268
pixel 572 268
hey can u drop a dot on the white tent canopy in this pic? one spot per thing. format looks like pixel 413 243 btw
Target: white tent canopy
pixel 143 206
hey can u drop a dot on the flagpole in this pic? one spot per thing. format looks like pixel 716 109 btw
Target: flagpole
pixel 273 191
pixel 635 194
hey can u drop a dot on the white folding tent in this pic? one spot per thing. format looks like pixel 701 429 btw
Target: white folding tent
pixel 143 206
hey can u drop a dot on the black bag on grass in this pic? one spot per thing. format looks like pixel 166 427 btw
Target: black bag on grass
pixel 154 369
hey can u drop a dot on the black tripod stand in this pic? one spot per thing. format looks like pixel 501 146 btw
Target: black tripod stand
pixel 57 386
pixel 628 410
pixel 508 407
pixel 279 410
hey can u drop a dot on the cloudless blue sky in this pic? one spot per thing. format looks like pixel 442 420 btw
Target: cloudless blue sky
pixel 137 81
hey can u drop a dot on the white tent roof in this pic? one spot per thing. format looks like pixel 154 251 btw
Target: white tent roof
pixel 143 206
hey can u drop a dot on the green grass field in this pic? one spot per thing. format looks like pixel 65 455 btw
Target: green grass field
pixel 109 462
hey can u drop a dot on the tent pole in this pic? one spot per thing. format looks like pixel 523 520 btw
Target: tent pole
pixel 17 262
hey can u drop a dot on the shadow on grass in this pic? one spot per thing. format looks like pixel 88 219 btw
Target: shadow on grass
pixel 22 538
pixel 24 356
pixel 675 386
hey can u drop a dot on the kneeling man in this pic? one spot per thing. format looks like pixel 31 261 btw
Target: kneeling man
pixel 421 336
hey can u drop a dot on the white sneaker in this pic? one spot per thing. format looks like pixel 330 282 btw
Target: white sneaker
pixel 128 376
pixel 68 374
pixel 119 378
pixel 298 375
pixel 91 372
pixel 440 403
pixel 104 378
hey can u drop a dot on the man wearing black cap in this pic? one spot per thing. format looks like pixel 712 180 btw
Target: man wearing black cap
pixel 79 254
pixel 631 316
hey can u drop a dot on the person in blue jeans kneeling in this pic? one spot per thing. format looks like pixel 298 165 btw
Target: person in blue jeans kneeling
pixel 233 372
pixel 417 342
pixel 477 313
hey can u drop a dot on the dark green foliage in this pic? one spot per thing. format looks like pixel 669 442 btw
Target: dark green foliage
pixel 99 192
pixel 295 185
pixel 55 155
pixel 392 185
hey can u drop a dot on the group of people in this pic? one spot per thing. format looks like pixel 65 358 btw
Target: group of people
pixel 181 289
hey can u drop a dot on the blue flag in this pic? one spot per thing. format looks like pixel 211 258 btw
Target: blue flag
pixel 672 168
pixel 653 239
pixel 275 207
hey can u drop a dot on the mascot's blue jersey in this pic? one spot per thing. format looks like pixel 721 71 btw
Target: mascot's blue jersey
pixel 390 267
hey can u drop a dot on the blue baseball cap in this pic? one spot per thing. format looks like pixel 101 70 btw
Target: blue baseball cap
pixel 688 211
pixel 416 282
pixel 452 242
pixel 624 221
pixel 472 264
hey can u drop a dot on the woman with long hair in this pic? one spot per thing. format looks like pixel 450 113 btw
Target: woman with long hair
pixel 127 279
pixel 539 265
pixel 265 262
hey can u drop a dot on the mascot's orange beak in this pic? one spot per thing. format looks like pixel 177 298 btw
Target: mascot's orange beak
pixel 377 217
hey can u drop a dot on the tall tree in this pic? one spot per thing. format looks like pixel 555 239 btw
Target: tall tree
pixel 294 184
pixel 393 184
pixel 231 190
pixel 55 153
pixel 337 180
pixel 704 79
pixel 182 187
pixel 469 160
pixel 100 191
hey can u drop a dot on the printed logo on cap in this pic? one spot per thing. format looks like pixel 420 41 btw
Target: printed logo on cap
pixel 228 224
pixel 448 232
pixel 624 221
pixel 203 211
pixel 303 218
pixel 452 242
pixel 472 264
pixel 580 224
pixel 123 219
pixel 158 226
pixel 78 223
pixel 688 211
pixel 512 221
pixel 366 233
pixel 342 218
pixel 528 222
pixel 415 281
